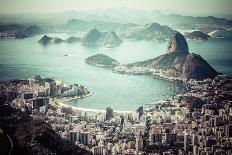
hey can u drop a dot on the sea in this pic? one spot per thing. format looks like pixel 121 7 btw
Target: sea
pixel 24 58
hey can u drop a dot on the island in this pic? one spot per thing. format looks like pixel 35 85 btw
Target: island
pixel 197 35
pixel 178 63
pixel 101 60
pixel 48 40
pixel 107 39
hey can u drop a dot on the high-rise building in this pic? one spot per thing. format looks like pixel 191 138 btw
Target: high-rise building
pixel 38 102
pixel 170 138
pixel 73 136
pixel 140 111
pixel 99 150
pixel 155 137
pixel 47 88
pixel 53 88
pixel 109 113
pixel 195 150
pixel 139 144
pixel 84 138
pixel 186 141
pixel 195 139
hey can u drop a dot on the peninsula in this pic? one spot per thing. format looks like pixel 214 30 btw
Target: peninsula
pixel 178 63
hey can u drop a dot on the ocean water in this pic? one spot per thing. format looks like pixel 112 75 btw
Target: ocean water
pixel 23 58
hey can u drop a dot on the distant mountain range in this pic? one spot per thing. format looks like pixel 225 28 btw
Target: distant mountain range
pixel 119 15
pixel 19 31
pixel 153 31
pixel 83 25
pixel 127 23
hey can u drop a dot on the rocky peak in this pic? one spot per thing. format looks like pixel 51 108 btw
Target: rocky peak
pixel 92 36
pixel 45 39
pixel 177 43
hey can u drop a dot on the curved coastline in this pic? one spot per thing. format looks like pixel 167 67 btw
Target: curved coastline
pixel 63 103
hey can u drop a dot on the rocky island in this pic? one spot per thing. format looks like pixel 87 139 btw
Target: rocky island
pixel 178 63
pixel 107 39
pixel 197 35
pixel 101 60
pixel 48 40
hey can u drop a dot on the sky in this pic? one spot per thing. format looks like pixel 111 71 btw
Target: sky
pixel 188 6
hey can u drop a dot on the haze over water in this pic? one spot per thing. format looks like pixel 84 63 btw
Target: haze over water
pixel 25 58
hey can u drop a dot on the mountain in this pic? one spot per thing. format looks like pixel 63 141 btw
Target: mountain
pixel 178 19
pixel 177 63
pixel 107 39
pixel 153 31
pixel 48 40
pixel 101 60
pixel 177 43
pixel 29 31
pixel 84 25
pixel 19 31
pixel 197 35
pixel 22 134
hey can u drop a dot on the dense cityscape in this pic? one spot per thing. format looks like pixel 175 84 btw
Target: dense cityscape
pixel 115 77
pixel 198 122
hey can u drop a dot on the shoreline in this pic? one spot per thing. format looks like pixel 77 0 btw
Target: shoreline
pixel 93 110
pixel 62 103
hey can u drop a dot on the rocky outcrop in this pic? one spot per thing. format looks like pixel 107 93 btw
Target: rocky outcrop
pixel 21 134
pixel 177 63
pixel 177 43
pixel 110 39
pixel 101 60
pixel 107 39
pixel 91 37
pixel 197 35
pixel 48 40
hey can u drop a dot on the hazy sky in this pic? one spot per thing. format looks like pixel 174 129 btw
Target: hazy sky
pixel 191 6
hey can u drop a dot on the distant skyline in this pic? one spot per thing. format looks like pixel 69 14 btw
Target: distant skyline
pixel 188 6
